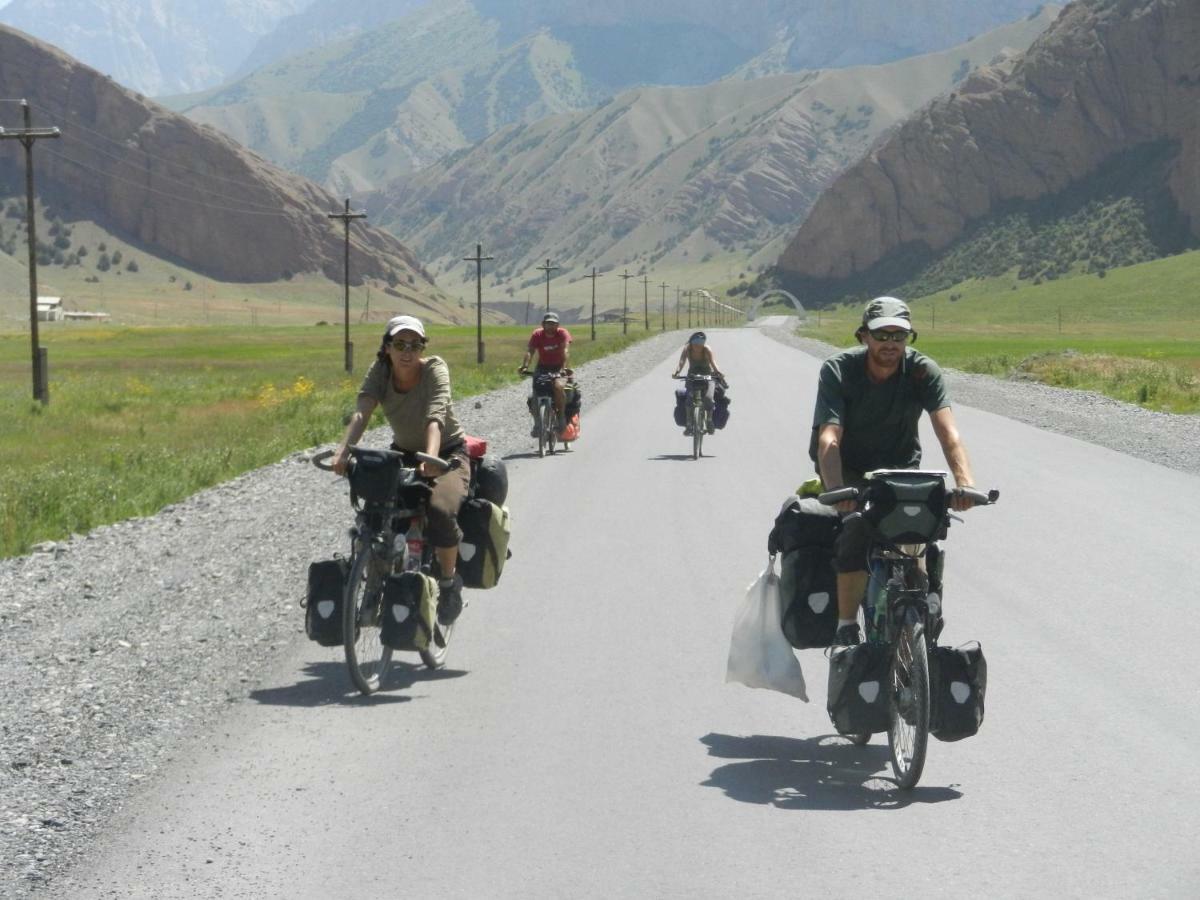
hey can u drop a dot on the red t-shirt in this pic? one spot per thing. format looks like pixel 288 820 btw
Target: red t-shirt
pixel 551 351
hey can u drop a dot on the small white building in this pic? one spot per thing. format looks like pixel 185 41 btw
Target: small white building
pixel 49 309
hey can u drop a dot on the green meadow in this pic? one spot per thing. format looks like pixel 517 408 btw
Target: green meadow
pixel 1133 334
pixel 142 417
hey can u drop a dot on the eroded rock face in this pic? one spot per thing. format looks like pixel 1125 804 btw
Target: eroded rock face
pixel 1108 76
pixel 180 189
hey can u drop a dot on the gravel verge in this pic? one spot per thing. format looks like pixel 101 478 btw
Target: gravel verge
pixel 116 645
pixel 1163 438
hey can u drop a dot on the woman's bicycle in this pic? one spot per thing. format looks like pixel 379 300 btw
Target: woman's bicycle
pixel 699 420
pixel 390 500
pixel 906 512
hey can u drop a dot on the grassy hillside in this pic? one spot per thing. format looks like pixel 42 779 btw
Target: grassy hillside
pixel 142 417
pixel 1133 334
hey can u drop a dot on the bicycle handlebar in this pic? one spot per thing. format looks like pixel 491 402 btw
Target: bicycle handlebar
pixel 836 496
pixel 435 461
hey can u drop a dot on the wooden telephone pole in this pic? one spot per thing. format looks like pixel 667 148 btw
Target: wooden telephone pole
pixel 547 268
pixel 593 276
pixel 346 217
pixel 478 259
pixel 646 299
pixel 664 287
pixel 27 136
pixel 625 305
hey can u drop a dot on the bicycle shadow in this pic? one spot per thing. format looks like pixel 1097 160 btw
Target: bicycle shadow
pixel 825 772
pixel 533 454
pixel 676 457
pixel 328 684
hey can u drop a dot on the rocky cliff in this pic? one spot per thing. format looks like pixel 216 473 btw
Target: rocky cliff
pixel 181 190
pixel 1109 77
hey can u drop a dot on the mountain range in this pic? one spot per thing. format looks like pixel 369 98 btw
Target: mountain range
pixel 679 172
pixel 356 113
pixel 177 189
pixel 1087 143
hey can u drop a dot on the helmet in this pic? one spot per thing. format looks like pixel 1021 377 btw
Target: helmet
pixel 698 338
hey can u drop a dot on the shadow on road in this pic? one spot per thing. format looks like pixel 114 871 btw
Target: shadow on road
pixel 328 684
pixel 533 454
pixel 674 457
pixel 826 772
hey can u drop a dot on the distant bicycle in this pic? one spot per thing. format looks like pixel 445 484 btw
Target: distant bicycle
pixel 699 420
pixel 390 500
pixel 907 513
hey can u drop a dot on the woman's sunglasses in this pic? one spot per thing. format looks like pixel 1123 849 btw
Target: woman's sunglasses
pixel 407 346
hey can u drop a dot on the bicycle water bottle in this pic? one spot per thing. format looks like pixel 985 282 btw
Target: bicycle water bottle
pixel 416 548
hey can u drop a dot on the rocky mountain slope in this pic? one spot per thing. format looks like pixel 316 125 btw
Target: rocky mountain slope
pixel 669 172
pixel 1112 89
pixel 356 113
pixel 153 46
pixel 175 188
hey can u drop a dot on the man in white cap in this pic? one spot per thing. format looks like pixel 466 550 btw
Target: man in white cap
pixel 869 403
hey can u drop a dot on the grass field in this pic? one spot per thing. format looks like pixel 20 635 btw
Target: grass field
pixel 142 417
pixel 1133 335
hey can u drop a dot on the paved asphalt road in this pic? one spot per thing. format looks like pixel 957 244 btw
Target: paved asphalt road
pixel 583 743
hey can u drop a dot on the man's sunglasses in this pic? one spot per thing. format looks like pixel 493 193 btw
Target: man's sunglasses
pixel 407 346
pixel 899 337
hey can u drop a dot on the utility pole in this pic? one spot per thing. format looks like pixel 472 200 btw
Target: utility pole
pixel 593 276
pixel 478 259
pixel 625 308
pixel 346 217
pixel 688 294
pixel 676 309
pixel 646 300
pixel 547 268
pixel 664 287
pixel 27 136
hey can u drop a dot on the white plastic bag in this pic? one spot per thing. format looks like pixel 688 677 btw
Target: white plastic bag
pixel 759 655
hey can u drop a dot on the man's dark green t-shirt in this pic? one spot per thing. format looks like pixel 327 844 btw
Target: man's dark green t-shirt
pixel 879 421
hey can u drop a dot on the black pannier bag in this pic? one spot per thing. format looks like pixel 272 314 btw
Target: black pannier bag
pixel 484 546
pixel 491 479
pixel 401 626
pixel 375 476
pixel 574 400
pixel 808 584
pixel 957 685
pixel 323 603
pixel 803 522
pixel 720 408
pixel 906 508
pixel 681 397
pixel 859 684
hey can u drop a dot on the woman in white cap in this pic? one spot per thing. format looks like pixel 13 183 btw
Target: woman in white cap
pixel 414 391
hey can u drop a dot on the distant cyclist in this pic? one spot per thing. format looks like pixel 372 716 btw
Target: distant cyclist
pixel 700 361
pixel 552 344
pixel 414 391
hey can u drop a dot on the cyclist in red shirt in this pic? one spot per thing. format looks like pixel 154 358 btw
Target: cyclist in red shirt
pixel 551 342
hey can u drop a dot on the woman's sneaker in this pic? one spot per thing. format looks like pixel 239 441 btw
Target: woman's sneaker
pixel 450 600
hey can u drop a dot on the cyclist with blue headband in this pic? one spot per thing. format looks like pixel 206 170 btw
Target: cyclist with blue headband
pixel 700 361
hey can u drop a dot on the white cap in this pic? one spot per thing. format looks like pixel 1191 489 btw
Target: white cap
pixel 404 323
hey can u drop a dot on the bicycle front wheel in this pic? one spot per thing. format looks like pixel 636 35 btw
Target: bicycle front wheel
pixel 367 658
pixel 908 736
pixel 697 431
pixel 434 656
pixel 543 434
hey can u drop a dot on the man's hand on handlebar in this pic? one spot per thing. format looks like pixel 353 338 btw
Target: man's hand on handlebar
pixel 523 370
pixel 959 501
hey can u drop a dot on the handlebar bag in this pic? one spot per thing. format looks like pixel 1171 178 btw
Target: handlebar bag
pixel 375 477
pixel 323 602
pixel 859 679
pixel 957 685
pixel 543 384
pixel 808 590
pixel 409 610
pixel 906 509
pixel 484 546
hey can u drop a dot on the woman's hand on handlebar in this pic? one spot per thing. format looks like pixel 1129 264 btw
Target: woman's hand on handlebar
pixel 341 460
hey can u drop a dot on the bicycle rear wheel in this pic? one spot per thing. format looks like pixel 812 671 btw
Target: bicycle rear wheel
pixel 551 427
pixel 908 735
pixel 367 658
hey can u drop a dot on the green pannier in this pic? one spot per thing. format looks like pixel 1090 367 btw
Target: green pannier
pixel 484 546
